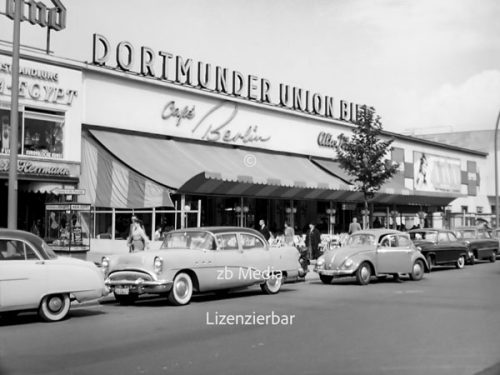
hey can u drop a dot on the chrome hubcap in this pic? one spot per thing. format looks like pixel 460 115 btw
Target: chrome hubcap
pixel 417 269
pixel 365 273
pixel 181 288
pixel 55 304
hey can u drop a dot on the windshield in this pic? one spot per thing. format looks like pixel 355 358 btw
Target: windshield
pixel 46 252
pixel 361 239
pixel 189 240
pixel 424 235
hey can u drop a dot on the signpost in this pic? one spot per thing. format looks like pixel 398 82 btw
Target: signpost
pixel 38 14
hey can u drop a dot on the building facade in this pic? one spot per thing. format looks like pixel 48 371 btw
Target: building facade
pixel 182 143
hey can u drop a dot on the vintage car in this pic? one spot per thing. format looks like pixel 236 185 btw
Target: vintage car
pixel 480 241
pixel 33 277
pixel 440 247
pixel 372 252
pixel 201 260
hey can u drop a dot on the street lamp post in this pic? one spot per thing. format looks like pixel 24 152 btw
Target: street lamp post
pixel 13 131
pixel 496 172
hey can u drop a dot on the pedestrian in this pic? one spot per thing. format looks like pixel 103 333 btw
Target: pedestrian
pixel 137 239
pixel 354 226
pixel 313 239
pixel 158 233
pixel 35 228
pixel 289 235
pixel 264 230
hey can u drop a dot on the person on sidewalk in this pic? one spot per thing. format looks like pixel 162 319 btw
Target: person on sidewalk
pixel 313 239
pixel 289 234
pixel 137 240
pixel 264 230
pixel 354 226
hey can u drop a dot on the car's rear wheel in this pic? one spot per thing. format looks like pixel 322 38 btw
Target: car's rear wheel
pixel 472 259
pixel 364 273
pixel 417 271
pixel 325 279
pixel 54 307
pixel 182 289
pixel 126 299
pixel 272 284
pixel 460 262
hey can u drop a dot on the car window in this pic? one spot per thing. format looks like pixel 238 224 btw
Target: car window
pixel 452 237
pixel 11 250
pixel 404 241
pixel 227 241
pixel 189 240
pixel 388 241
pixel 483 234
pixel 249 241
pixel 361 239
pixel 468 234
pixel 443 237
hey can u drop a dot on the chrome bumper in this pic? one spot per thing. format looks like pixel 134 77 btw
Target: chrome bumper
pixel 335 272
pixel 140 286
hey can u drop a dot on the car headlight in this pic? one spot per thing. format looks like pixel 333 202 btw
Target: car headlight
pixel 348 263
pixel 158 265
pixel 105 264
pixel 320 261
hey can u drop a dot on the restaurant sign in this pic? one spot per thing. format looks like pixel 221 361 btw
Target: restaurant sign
pixel 40 168
pixel 165 66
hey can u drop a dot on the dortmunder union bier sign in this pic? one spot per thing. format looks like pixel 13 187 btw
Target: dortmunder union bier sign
pixel 166 66
pixel 38 13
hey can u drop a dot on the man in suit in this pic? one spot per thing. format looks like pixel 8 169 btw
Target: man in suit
pixel 354 226
pixel 264 230
pixel 313 239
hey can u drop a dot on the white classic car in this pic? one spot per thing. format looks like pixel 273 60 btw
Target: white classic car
pixel 33 277
pixel 200 260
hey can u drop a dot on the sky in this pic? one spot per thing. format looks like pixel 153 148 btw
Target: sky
pixel 425 65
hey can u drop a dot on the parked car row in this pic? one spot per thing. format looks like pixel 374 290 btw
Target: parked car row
pixel 381 252
pixel 215 259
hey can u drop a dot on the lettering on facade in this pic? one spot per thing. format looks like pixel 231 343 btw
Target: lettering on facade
pixel 38 13
pixel 215 124
pixel 40 91
pixel 166 66
pixel 34 168
pixel 326 140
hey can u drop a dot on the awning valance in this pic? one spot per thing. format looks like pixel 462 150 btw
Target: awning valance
pixel 110 183
pixel 198 168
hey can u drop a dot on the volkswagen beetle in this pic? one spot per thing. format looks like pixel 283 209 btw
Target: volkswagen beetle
pixel 372 252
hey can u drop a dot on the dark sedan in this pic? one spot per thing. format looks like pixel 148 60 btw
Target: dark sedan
pixel 440 247
pixel 481 243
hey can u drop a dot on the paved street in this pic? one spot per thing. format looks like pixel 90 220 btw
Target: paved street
pixel 448 323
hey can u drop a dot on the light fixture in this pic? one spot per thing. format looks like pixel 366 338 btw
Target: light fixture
pixel 237 209
pixel 246 209
pixel 187 207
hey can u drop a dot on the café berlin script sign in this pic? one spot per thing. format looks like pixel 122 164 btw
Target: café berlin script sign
pixel 166 66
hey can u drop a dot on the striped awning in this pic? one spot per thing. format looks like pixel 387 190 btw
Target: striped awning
pixel 110 183
pixel 201 168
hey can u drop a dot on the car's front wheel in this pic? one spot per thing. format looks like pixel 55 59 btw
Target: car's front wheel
pixel 460 262
pixel 272 284
pixel 182 289
pixel 417 271
pixel 493 257
pixel 54 307
pixel 364 273
pixel 325 279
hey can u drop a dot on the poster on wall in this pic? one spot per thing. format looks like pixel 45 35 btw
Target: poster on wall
pixel 436 173
pixel 5 128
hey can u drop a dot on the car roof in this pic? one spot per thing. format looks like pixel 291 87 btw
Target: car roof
pixel 379 231
pixel 220 229
pixel 430 230
pixel 21 234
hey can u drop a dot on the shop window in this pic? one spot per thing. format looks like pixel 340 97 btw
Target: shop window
pixel 43 135
pixel 40 133
pixel 479 209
